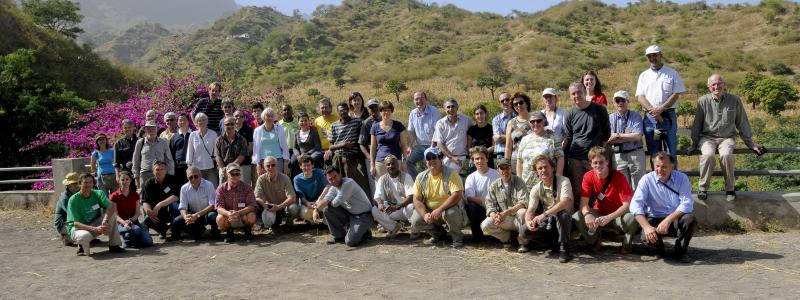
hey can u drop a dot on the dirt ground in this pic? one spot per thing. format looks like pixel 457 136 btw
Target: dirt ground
pixel 300 265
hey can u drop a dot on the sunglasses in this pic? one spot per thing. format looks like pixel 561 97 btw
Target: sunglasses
pixel 431 157
pixel 171 120
pixel 620 100
pixel 271 165
pixel 504 100
pixel 518 103
pixel 193 177
pixel 537 121
pixel 235 174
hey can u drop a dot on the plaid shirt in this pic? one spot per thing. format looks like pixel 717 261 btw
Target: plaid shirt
pixel 230 150
pixel 230 198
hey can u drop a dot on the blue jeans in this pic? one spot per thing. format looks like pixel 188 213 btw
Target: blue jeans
pixel 165 216
pixel 671 126
pixel 195 229
pixel 417 155
pixel 136 237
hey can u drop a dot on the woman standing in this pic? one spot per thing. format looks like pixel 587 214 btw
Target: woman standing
pixel 102 164
pixel 555 115
pixel 357 109
pixel 387 137
pixel 200 152
pixel 307 142
pixel 594 90
pixel 481 133
pixel 269 139
pixel 128 206
pixel 539 142
pixel 517 127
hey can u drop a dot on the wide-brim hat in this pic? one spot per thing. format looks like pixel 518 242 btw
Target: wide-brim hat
pixel 151 123
pixel 71 178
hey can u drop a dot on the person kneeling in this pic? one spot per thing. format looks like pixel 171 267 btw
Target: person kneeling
pixel 394 194
pixel 553 197
pixel 309 186
pixel 274 194
pixel 506 206
pixel 345 203
pixel 197 201
pixel 85 220
pixel 236 205
pixel 128 207
pixel 437 201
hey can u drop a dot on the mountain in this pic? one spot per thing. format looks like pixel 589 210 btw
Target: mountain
pixel 133 43
pixel 115 16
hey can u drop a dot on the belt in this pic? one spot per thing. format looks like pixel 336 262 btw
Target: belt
pixel 628 151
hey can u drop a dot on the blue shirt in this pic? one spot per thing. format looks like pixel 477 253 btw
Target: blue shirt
pixel 310 188
pixel 654 199
pixel 631 122
pixel 422 125
pixel 499 123
pixel 195 200
pixel 105 161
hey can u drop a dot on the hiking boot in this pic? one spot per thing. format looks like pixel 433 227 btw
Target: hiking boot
pixel 564 255
pixel 116 249
pixel 702 195
pixel 230 238
pixel 730 196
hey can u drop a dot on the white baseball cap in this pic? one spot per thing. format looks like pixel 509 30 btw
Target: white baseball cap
pixel 652 49
pixel 621 94
pixel 549 91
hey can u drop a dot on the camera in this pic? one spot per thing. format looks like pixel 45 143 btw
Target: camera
pixel 617 148
pixel 659 134
pixel 546 224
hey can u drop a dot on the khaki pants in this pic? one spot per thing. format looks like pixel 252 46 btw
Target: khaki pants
pixel 632 164
pixel 503 231
pixel 708 146
pixel 84 237
pixel 389 221
pixel 626 224
pixel 454 217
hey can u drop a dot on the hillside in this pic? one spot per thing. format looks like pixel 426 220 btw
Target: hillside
pixel 116 16
pixel 133 43
pixel 376 40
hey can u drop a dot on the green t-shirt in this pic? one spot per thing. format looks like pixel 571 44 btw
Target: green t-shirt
pixel 85 210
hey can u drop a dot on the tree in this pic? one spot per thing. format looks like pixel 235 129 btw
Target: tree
pixel 339 83
pixel 396 86
pixel 775 94
pixel 685 110
pixel 313 93
pixel 748 86
pixel 58 15
pixel 490 83
pixel 497 67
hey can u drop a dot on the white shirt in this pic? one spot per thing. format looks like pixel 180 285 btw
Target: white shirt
pixel 477 184
pixel 557 124
pixel 200 149
pixel 399 188
pixel 453 136
pixel 657 86
pixel 196 200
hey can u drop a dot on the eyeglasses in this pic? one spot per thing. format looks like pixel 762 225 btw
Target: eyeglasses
pixel 504 100
pixel 227 106
pixel 620 100
pixel 518 103
pixel 271 165
pixel 171 120
pixel 431 157
pixel 537 121
pixel 235 174
pixel 228 124
pixel 193 177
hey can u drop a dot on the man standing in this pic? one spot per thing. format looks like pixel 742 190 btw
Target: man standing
pixel 230 148
pixel 171 119
pixel 476 189
pixel 550 208
pixel 85 220
pixel 71 186
pixel 586 126
pixel 148 150
pixel 160 200
pixel 309 186
pixel 394 194
pixel 719 115
pixel 506 206
pixel 499 124
pixel 364 138
pixel 211 106
pixel 179 146
pixel 123 148
pixel 324 123
pixel 290 128
pixel 236 205
pixel 438 192
pixel 197 199
pixel 344 148
pixel 663 206
pixel 274 193
pixel 626 139
pixel 450 135
pixel 421 124
pixel 658 90
pixel 346 204
pixel 605 201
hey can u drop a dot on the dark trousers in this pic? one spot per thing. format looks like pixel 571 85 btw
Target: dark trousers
pixel 476 214
pixel 560 227
pixel 682 228
pixel 165 217
pixel 195 229
pixel 352 166
pixel 180 172
pixel 338 217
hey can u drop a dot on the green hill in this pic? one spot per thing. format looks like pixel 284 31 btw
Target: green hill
pixel 133 43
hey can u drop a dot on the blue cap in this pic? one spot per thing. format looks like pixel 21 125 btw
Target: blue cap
pixel 432 150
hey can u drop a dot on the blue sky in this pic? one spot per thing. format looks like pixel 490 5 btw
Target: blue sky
pixel 502 7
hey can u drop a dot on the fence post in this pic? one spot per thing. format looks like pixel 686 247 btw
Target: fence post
pixel 61 167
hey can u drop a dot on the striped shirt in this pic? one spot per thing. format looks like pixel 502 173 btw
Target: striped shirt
pixel 341 132
pixel 213 109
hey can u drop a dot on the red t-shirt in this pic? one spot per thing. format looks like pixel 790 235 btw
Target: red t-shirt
pixel 600 99
pixel 618 191
pixel 126 206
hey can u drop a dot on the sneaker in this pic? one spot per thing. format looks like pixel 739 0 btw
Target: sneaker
pixel 685 258
pixel 702 195
pixel 335 241
pixel 116 249
pixel 458 244
pixel 392 233
pixel 230 238
pixel 507 245
pixel 730 196
pixel 433 240
pixel 564 255
pixel 80 251
pixel 523 249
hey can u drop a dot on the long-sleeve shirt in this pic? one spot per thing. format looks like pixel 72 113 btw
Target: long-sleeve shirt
pixel 179 145
pixel 721 119
pixel 310 188
pixel 310 145
pixel 146 153
pixel 499 123
pixel 123 152
pixel 586 128
pixel 235 198
pixel 349 196
pixel 421 124
pixel 502 195
pixel 264 143
pixel 629 122
pixel 212 109
pixel 201 149
pixel 654 199
pixel 60 218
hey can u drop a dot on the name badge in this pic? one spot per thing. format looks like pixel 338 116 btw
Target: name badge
pixel 241 205
pixel 166 190
pixel 95 207
pixel 601 196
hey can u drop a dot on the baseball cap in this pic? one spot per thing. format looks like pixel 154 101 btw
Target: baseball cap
pixel 232 167
pixel 372 102
pixel 621 94
pixel 652 49
pixel 549 91
pixel 432 150
pixel 503 162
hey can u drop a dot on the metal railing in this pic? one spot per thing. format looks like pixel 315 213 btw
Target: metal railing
pixel 26 169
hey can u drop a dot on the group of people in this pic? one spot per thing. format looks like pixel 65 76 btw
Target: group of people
pixel 532 173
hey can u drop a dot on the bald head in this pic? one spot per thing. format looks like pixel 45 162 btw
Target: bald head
pixel 716 85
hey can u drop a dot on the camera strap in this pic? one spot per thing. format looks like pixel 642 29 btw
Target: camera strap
pixel 624 122
pixel 603 189
pixel 668 187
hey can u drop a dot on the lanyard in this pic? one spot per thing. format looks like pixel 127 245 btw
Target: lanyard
pixel 624 122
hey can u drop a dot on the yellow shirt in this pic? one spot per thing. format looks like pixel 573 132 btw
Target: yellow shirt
pixel 434 191
pixel 323 126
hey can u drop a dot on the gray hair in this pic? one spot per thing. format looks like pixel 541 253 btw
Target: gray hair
pixel 200 116
pixel 270 158
pixel 269 111
pixel 127 122
pixel 191 170
pixel 169 115
pixel 152 111
pixel 579 86
pixel 712 77
pixel 451 100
